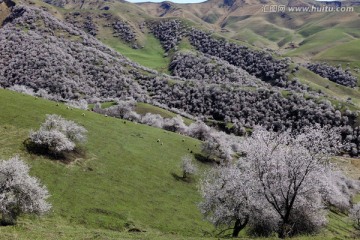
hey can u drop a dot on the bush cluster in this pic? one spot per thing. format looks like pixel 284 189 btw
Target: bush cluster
pixel 29 91
pixel 210 70
pixel 169 32
pixel 258 63
pixel 126 110
pixel 264 107
pixel 82 21
pixel 89 26
pixel 123 31
pixel 334 74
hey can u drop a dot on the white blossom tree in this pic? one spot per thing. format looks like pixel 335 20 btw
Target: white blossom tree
pixel 53 141
pixel 19 192
pixel 57 135
pixel 187 166
pixel 154 120
pixel 290 170
pixel 226 198
pixel 80 104
pixel 280 179
pixel 199 130
pixel 175 124
pixel 219 146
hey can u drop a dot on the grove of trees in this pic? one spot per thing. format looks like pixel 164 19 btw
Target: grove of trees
pixel 258 63
pixel 41 59
pixel 124 31
pixel 210 70
pixel 334 74
pixel 168 32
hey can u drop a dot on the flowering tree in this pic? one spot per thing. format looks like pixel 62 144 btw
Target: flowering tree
pixel 226 198
pixel 199 130
pixel 219 146
pixel 81 104
pixel 288 171
pixel 19 192
pixel 175 124
pixel 280 179
pixel 187 166
pixel 57 135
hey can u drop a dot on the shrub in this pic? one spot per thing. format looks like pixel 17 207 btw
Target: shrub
pixel 22 89
pixel 57 135
pixel 19 192
pixel 187 166
pixel 81 104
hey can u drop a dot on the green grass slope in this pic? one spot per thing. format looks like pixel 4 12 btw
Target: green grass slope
pixel 348 52
pixel 321 42
pixel 125 181
pixel 332 90
pixel 151 54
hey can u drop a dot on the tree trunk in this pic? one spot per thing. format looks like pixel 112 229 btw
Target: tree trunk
pixel 284 230
pixel 239 226
pixel 281 233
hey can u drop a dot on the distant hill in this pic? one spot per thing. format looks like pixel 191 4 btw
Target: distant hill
pixel 301 34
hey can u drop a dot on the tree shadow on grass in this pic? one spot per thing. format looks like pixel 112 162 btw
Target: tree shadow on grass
pixel 64 157
pixel 181 178
pixel 205 160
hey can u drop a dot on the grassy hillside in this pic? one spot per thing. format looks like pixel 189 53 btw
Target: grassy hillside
pixel 331 89
pixel 151 54
pixel 125 181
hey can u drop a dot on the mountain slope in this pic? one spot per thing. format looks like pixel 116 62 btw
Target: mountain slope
pixel 125 181
pixel 302 35
pixel 39 51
